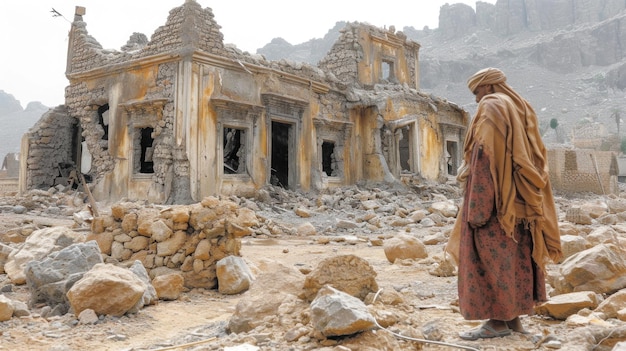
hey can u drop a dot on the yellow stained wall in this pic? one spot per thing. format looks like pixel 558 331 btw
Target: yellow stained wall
pixel 374 51
pixel 431 149
pixel 123 87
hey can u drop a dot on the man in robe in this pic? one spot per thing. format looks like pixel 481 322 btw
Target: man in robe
pixel 507 228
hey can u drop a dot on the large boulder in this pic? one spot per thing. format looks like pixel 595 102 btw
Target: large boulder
pixel 49 279
pixel 38 245
pixel 108 290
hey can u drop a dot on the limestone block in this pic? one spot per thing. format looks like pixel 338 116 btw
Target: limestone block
pixel 129 222
pixel 180 214
pixel 348 273
pixel 169 286
pixel 613 304
pixel 137 243
pixel 159 231
pixel 562 306
pixel 37 246
pixel 444 208
pixel 171 245
pixel 104 240
pixel 404 247
pixel 335 313
pixel 306 229
pixel 203 250
pixel 106 289
pixel 572 244
pixel 6 308
pixel 233 275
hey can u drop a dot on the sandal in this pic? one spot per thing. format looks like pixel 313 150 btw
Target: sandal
pixel 484 332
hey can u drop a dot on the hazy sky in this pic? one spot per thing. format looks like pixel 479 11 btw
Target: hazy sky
pixel 34 43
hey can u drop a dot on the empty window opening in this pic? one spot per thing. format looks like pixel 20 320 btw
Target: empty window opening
pixel 405 150
pixel 387 71
pixel 103 120
pixel 234 151
pixel 143 150
pixel 329 161
pixel 452 162
pixel 280 154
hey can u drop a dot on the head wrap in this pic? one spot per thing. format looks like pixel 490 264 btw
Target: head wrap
pixel 486 76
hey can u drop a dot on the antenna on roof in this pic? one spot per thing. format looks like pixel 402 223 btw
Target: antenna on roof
pixel 56 13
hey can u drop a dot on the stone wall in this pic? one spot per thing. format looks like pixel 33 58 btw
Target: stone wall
pixel 580 171
pixel 189 238
pixel 51 143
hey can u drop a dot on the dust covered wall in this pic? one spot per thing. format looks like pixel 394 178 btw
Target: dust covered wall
pixel 190 95
pixel 387 56
pixel 373 166
pixel 580 170
pixel 51 143
pixel 132 99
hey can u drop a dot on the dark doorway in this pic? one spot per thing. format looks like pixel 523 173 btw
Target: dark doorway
pixel 280 154
pixel 233 162
pixel 405 150
pixel 328 158
pixel 146 164
pixel 103 120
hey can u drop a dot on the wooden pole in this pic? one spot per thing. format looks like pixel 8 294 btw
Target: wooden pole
pixel 92 201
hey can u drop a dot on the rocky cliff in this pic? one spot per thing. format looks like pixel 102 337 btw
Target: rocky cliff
pixel 567 57
pixel 15 121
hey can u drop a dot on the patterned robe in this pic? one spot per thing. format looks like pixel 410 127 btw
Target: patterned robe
pixel 498 278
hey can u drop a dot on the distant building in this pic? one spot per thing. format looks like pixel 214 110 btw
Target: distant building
pixel 182 116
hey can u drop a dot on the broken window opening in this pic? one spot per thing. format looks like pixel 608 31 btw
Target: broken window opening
pixel 387 71
pixel 234 151
pixel 280 154
pixel 329 161
pixel 405 150
pixel 103 120
pixel 143 150
pixel 452 150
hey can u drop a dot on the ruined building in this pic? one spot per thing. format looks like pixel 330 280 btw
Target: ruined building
pixel 182 116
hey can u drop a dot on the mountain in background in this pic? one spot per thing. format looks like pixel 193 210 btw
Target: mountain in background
pixel 567 57
pixel 15 121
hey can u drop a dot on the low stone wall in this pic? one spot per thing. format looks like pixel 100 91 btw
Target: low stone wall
pixel 189 238
pixel 583 170
pixel 9 186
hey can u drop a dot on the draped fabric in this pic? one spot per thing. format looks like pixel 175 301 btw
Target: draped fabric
pixel 498 279
pixel 505 126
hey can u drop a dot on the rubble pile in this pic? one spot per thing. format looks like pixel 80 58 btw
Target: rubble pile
pixel 189 238
pixel 333 304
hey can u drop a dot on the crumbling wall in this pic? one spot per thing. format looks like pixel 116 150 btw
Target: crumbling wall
pixel 177 94
pixel 188 238
pixel 579 171
pixel 51 143
pixel 343 58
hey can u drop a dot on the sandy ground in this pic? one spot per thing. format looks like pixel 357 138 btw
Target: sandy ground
pixel 202 314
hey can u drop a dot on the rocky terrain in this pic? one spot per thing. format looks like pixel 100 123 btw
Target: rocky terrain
pixel 384 241
pixel 387 241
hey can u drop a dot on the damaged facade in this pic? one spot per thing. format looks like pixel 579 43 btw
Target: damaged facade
pixel 182 116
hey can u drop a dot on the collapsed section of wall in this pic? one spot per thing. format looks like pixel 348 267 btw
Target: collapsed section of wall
pixel 188 238
pixel 52 145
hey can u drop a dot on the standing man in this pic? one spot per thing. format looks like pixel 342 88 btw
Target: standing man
pixel 507 228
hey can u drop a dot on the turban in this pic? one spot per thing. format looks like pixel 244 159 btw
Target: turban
pixel 486 76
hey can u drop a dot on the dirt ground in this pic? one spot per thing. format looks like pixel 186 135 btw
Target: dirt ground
pixel 198 319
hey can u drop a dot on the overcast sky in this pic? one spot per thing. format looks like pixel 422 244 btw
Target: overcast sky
pixel 34 43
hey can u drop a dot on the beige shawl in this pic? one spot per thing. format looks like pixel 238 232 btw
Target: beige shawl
pixel 506 126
